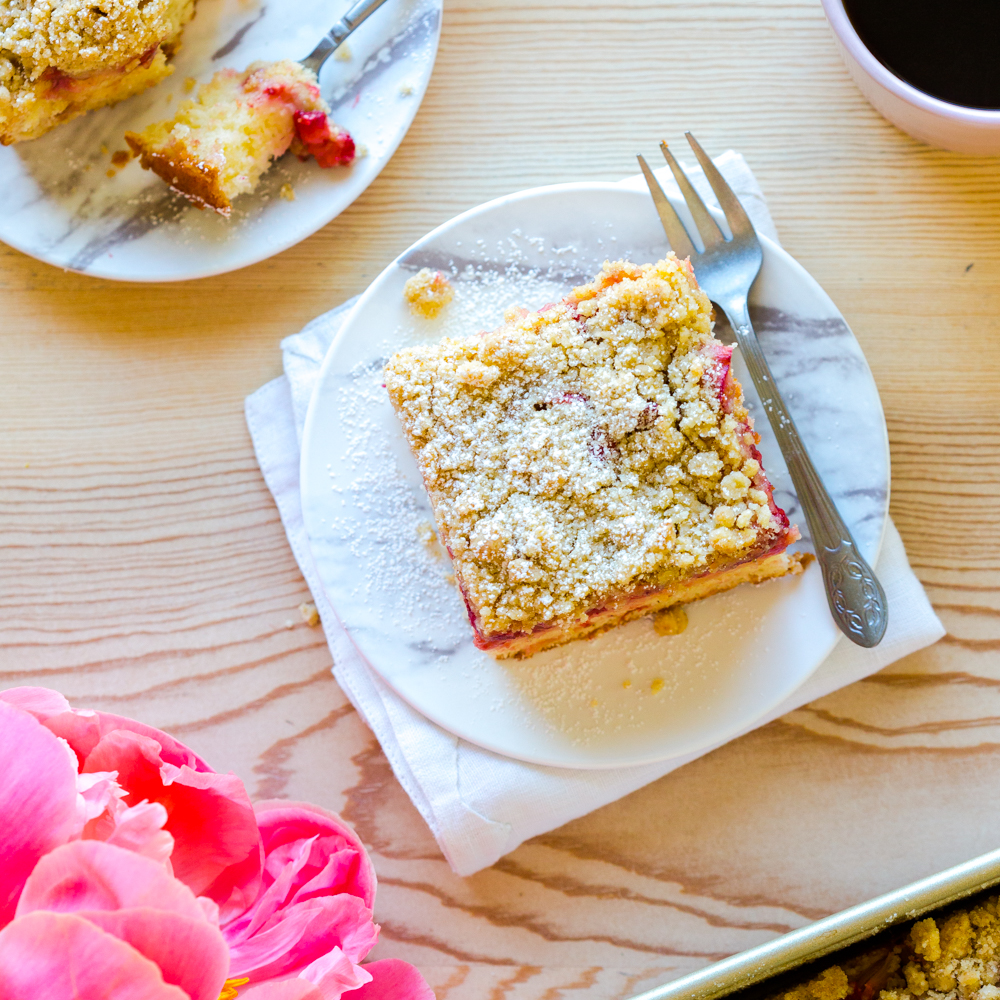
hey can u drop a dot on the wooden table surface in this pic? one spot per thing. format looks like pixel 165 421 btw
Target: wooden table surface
pixel 143 568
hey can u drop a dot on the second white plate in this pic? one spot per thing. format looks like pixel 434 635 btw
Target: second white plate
pixel 630 696
pixel 62 201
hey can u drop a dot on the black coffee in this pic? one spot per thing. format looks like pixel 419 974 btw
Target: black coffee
pixel 947 50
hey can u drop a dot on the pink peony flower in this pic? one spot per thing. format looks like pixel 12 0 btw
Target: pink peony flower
pixel 313 915
pixel 96 922
pixel 217 849
pixel 38 801
pixel 122 852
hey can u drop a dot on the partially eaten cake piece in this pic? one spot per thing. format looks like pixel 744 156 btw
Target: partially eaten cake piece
pixel 592 462
pixel 220 144
pixel 61 58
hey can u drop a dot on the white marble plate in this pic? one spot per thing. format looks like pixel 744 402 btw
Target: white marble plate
pixel 57 202
pixel 365 507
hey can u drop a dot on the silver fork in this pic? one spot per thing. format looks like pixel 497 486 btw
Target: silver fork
pixel 726 269
pixel 359 13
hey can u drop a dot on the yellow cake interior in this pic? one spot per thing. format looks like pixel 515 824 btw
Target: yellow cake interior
pixel 218 145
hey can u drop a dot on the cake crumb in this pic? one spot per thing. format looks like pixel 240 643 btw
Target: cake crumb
pixel 189 84
pixel 670 621
pixel 111 173
pixel 120 157
pixel 343 52
pixel 289 623
pixel 428 292
pixel 104 149
pixel 594 703
pixel 287 192
pixel 626 684
pixel 657 686
pixel 310 615
pixel 427 535
pixel 406 90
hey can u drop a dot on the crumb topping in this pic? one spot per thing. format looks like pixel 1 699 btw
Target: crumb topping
pixel 956 957
pixel 79 37
pixel 428 292
pixel 587 450
pixel 62 58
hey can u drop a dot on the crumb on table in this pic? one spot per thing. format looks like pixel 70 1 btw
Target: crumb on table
pixel 428 292
pixel 310 615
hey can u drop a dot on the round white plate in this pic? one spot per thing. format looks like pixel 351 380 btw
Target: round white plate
pixel 57 202
pixel 589 704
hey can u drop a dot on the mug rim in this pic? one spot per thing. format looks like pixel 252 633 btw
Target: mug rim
pixel 851 40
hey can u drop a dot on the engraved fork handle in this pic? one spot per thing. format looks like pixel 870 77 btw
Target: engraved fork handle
pixel 857 600
pixel 360 12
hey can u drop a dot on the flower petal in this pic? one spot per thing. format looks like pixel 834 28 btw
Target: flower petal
pixel 39 702
pixel 302 933
pixel 283 822
pixel 217 849
pixel 281 989
pixel 83 728
pixel 393 979
pixel 189 953
pixel 38 800
pixel 92 875
pixel 335 974
pixel 63 957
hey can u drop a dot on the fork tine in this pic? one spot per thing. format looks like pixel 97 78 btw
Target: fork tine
pixel 711 234
pixel 677 235
pixel 736 216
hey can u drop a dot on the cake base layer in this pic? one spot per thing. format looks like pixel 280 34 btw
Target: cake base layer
pixel 525 644
pixel 56 98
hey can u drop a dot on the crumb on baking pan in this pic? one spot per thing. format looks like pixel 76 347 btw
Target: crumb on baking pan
pixel 955 956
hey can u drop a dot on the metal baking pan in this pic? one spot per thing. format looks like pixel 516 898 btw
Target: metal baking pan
pixel 760 972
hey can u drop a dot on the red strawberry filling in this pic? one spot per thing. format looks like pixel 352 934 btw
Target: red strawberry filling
pixel 330 149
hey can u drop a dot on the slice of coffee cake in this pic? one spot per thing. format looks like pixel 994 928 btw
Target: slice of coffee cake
pixel 62 58
pixel 219 145
pixel 592 462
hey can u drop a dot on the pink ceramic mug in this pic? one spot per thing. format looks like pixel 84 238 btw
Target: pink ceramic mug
pixel 964 130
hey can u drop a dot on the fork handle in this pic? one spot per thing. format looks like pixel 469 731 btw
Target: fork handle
pixel 857 600
pixel 358 13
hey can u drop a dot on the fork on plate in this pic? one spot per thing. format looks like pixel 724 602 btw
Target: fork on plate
pixel 335 37
pixel 726 270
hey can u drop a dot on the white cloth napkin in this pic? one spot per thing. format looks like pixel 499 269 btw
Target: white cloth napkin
pixel 480 805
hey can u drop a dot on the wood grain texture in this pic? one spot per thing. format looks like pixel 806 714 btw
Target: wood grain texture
pixel 143 568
